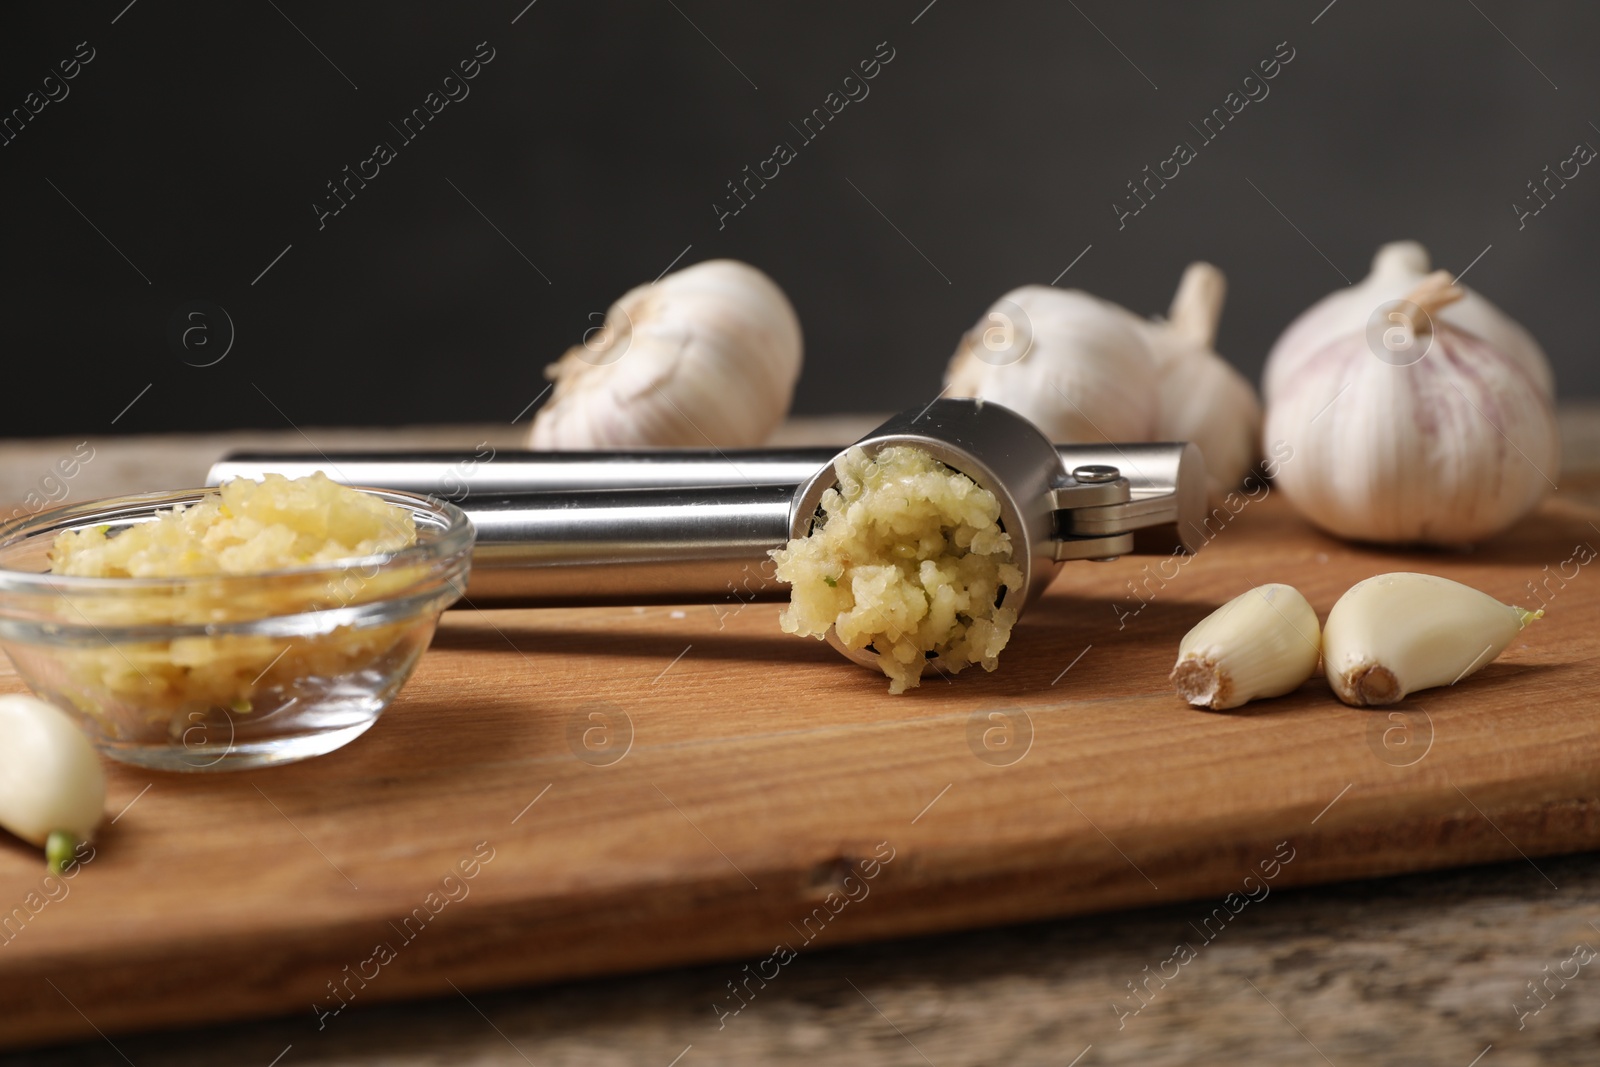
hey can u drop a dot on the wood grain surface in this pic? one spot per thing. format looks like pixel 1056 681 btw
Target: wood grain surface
pixel 664 786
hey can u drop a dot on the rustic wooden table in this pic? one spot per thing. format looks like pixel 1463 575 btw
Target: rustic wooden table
pixel 1436 968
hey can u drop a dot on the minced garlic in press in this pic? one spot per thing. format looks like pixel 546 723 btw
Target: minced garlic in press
pixel 908 558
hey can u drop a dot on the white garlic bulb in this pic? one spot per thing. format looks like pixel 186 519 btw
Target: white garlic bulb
pixel 706 356
pixel 1398 268
pixel 1083 369
pixel 1201 397
pixel 1077 367
pixel 1401 425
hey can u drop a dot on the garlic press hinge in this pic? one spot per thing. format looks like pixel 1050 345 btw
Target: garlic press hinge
pixel 1087 506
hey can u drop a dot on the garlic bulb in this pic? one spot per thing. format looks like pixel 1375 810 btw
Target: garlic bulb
pixel 1398 268
pixel 705 356
pixel 1074 365
pixel 1397 633
pixel 1401 425
pixel 52 788
pixel 1085 370
pixel 1201 398
pixel 1262 643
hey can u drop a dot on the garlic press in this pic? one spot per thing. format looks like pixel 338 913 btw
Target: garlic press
pixel 691 526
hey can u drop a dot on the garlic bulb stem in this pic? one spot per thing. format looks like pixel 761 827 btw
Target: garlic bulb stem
pixel 1436 292
pixel 1397 633
pixel 1433 294
pixel 1201 397
pixel 1197 305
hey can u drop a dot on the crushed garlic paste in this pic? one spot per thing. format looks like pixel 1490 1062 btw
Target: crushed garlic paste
pixel 909 558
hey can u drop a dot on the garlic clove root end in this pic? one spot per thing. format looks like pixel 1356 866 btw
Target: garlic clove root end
pixel 1202 683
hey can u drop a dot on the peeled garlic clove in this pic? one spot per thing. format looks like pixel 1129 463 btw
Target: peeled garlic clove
pixel 1427 435
pixel 1262 643
pixel 51 782
pixel 1397 269
pixel 1076 366
pixel 1201 398
pixel 707 356
pixel 1398 633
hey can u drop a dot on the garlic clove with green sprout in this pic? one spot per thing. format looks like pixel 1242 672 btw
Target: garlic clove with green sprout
pixel 52 788
pixel 707 355
pixel 1396 633
pixel 1404 427
pixel 1398 268
pixel 1076 366
pixel 1201 397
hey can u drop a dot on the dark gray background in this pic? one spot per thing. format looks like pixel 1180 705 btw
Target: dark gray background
pixel 598 139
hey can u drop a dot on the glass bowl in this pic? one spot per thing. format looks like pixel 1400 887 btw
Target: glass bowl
pixel 232 671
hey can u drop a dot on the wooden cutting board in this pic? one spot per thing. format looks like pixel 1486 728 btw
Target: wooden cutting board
pixel 634 788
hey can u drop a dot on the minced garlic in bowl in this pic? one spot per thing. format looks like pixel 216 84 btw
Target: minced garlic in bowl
pixel 256 623
pixel 909 558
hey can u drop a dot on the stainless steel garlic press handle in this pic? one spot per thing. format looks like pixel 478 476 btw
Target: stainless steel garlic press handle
pixel 458 476
pixel 696 527
pixel 678 545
